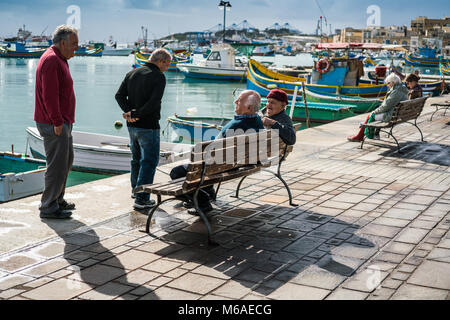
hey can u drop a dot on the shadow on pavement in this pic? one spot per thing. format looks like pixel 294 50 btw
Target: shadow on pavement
pixel 99 272
pixel 264 247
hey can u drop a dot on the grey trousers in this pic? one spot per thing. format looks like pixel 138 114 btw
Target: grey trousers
pixel 59 158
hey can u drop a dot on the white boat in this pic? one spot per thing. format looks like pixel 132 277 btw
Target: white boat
pixel 219 65
pixel 19 176
pixel 100 153
pixel 117 50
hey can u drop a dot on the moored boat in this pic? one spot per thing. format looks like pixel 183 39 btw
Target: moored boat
pixel 89 52
pixel 362 105
pixel 444 68
pixel 20 176
pixel 142 58
pixel 425 58
pixel 100 153
pixel 317 112
pixel 337 80
pixel 18 50
pixel 219 65
pixel 195 129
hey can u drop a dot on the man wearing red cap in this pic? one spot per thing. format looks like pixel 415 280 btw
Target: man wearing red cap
pixel 276 117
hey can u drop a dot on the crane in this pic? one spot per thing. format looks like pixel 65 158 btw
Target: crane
pixel 320 21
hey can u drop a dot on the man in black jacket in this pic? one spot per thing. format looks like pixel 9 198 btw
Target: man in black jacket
pixel 139 96
pixel 276 117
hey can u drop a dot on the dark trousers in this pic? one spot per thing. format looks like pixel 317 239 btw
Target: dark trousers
pixel 59 158
pixel 203 194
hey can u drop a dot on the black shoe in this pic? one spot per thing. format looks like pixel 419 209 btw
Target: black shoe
pixel 376 137
pixel 133 196
pixel 140 204
pixel 66 205
pixel 58 214
pixel 205 210
pixel 188 204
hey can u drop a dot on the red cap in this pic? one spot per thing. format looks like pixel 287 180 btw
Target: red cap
pixel 279 95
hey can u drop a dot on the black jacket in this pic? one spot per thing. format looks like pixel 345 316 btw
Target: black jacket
pixel 143 89
pixel 284 125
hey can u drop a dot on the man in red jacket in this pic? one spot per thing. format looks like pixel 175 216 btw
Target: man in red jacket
pixel 54 115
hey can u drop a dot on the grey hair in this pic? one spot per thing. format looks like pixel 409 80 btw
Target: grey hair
pixel 160 54
pixel 393 78
pixel 63 32
pixel 253 100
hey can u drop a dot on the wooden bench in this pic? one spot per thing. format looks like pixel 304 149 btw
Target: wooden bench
pixel 440 106
pixel 404 112
pixel 222 160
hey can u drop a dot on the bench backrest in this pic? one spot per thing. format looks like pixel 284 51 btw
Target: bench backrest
pixel 408 110
pixel 229 158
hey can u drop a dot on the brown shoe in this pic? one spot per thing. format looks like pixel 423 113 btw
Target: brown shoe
pixel 353 139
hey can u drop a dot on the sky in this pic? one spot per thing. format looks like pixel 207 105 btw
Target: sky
pixel 122 19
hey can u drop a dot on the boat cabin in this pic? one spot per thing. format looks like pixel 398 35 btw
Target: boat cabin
pixel 221 56
pixel 340 68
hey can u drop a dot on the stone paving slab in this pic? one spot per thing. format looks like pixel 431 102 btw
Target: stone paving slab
pixel 371 224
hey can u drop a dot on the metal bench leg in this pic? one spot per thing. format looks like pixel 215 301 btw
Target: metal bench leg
pixel 238 187
pixel 217 191
pixel 437 108
pixel 415 124
pixel 151 212
pixel 203 216
pixel 396 141
pixel 362 142
pixel 278 175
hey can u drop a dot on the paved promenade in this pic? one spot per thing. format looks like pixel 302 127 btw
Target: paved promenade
pixel 371 224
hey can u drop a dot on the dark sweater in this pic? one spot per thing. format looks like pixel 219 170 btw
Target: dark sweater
pixel 286 128
pixel 143 89
pixel 242 122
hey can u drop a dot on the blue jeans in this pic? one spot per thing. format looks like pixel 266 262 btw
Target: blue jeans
pixel 144 145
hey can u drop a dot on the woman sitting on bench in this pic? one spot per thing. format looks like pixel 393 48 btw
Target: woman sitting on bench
pixel 397 93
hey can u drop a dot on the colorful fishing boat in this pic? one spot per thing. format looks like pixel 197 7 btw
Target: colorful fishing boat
pixel 141 58
pixel 444 68
pixel 18 50
pixel 425 58
pixel 361 105
pixel 194 129
pixel 219 65
pixel 317 112
pixel 20 176
pixel 331 82
pixel 89 52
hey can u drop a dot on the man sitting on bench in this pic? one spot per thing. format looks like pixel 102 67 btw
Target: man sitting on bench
pixel 246 118
pixel 275 116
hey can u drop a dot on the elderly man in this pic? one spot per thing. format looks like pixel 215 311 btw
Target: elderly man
pixel 246 118
pixel 397 93
pixel 139 96
pixel 276 117
pixel 54 115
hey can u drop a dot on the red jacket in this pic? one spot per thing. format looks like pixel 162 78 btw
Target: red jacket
pixel 54 96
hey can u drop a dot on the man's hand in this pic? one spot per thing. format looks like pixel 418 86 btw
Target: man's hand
pixel 127 116
pixel 58 129
pixel 267 122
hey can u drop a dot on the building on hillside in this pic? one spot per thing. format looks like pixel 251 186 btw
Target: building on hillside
pixel 423 26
